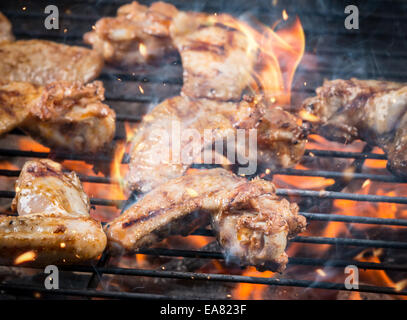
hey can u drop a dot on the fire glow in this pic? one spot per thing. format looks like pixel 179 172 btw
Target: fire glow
pixel 25 257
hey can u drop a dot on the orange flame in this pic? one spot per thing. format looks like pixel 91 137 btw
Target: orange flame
pixel 280 52
pixel 245 291
pixel 117 170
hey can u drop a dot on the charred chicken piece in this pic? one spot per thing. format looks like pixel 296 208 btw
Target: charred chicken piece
pixel 53 220
pixel 44 188
pixel 71 116
pixel 6 33
pixel 256 233
pixel 136 35
pixel 15 101
pixel 251 222
pixel 42 62
pixel 178 131
pixel 217 59
pixel 374 111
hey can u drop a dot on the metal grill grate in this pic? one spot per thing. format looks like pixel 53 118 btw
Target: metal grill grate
pixel 120 88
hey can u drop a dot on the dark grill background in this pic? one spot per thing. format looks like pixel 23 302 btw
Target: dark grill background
pixel 376 51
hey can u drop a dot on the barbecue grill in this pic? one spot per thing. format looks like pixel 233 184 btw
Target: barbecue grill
pixel 375 51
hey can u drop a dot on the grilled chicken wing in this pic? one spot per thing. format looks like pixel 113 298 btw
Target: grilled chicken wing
pixel 374 111
pixel 218 60
pixel 71 116
pixel 44 188
pixel 175 133
pixel 256 233
pixel 5 29
pixel 42 62
pixel 53 220
pixel 263 222
pixel 136 35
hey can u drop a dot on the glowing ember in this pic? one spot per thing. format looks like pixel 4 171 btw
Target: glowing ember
pixel 25 257
pixel 366 183
pixel 285 15
pixel 142 49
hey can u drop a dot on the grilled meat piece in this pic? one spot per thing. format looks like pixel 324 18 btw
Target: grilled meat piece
pixel 374 111
pixel 175 133
pixel 71 116
pixel 53 219
pixel 15 101
pixel 62 115
pixel 6 33
pixel 42 62
pixel 182 204
pixel 44 188
pixel 218 60
pixel 256 233
pixel 55 239
pixel 136 35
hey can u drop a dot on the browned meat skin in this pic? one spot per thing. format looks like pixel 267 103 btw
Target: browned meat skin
pixel 280 140
pixel 71 116
pixel 119 38
pixel 16 99
pixel 44 187
pixel 218 60
pixel 256 233
pixel 42 62
pixel 6 33
pixel 53 218
pixel 374 111
pixel 62 115
pixel 184 203
pixel 55 238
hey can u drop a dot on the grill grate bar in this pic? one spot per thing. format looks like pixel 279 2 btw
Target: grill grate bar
pixel 339 175
pixel 281 192
pixel 233 278
pixel 340 195
pixel 292 261
pixel 58 155
pixel 83 178
pixel 84 293
pixel 345 154
pixel 290 172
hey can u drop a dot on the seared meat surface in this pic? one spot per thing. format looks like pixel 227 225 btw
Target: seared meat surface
pixel 6 33
pixel 44 188
pixel 218 60
pixel 256 233
pixel 263 222
pixel 374 111
pixel 71 116
pixel 136 35
pixel 62 115
pixel 42 62
pixel 175 133
pixel 15 101
pixel 53 219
